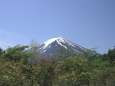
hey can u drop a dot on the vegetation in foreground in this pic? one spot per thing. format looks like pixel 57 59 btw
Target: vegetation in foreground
pixel 20 68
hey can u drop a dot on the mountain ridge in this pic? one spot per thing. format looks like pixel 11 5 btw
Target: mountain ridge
pixel 50 47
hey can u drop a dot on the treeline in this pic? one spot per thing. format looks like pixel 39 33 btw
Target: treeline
pixel 21 68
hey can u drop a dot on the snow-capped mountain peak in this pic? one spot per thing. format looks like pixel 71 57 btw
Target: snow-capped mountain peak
pixel 52 40
pixel 59 40
pixel 50 47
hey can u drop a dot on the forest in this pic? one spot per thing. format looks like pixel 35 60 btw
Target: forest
pixel 21 68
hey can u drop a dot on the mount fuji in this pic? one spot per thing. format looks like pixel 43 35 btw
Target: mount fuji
pixel 50 47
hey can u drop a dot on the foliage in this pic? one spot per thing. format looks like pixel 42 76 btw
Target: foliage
pixel 17 53
pixel 111 55
pixel 75 70
pixel 64 53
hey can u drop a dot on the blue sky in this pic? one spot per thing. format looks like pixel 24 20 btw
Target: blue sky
pixel 89 23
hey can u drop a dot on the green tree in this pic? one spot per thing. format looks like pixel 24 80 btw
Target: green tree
pixel 1 51
pixel 64 53
pixel 74 71
pixel 111 55
pixel 45 74
pixel 11 74
pixel 17 53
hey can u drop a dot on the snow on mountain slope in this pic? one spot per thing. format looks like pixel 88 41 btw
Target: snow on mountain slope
pixel 50 41
pixel 50 47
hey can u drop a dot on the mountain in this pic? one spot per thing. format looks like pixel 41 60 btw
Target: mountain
pixel 50 47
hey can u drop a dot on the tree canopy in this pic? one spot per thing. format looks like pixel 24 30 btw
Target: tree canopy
pixel 17 69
